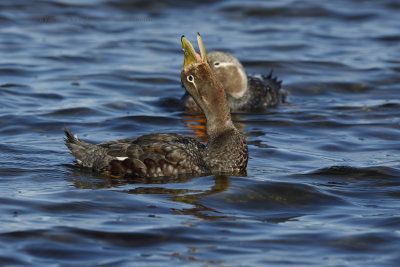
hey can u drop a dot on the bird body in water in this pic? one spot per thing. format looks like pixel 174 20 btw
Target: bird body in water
pixel 156 155
pixel 244 93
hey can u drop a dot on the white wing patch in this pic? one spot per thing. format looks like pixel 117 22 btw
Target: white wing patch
pixel 121 158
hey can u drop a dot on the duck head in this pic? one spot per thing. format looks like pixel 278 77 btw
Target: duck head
pixel 206 90
pixel 230 72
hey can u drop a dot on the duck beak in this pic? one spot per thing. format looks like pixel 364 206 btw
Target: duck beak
pixel 202 48
pixel 190 54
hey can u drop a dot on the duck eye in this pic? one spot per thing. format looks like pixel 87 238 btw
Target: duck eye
pixel 190 78
pixel 216 64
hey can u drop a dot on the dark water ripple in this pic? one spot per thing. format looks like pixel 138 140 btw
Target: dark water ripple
pixel 323 183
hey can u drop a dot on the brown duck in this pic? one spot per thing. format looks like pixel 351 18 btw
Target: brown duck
pixel 245 93
pixel 156 155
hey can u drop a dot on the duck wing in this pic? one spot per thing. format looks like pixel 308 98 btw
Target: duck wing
pixel 150 155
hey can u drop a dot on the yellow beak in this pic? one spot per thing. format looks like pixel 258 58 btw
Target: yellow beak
pixel 190 54
pixel 202 48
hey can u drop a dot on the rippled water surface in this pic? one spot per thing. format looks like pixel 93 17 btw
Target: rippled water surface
pixel 323 183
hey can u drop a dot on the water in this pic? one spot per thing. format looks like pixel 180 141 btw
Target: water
pixel 323 184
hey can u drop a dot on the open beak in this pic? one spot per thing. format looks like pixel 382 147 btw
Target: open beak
pixel 190 54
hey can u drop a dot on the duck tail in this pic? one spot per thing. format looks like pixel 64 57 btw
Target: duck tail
pixel 276 84
pixel 273 78
pixel 79 149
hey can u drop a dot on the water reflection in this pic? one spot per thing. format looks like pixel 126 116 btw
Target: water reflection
pixel 197 124
pixel 85 179
pixel 190 196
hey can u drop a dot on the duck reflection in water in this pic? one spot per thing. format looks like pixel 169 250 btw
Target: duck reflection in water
pixel 197 124
pixel 84 179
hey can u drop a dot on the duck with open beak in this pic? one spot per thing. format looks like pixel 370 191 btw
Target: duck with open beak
pixel 172 155
pixel 226 145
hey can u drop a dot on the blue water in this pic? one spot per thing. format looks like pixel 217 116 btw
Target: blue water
pixel 323 180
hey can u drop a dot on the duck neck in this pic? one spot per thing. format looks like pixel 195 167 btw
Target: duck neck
pixel 219 121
